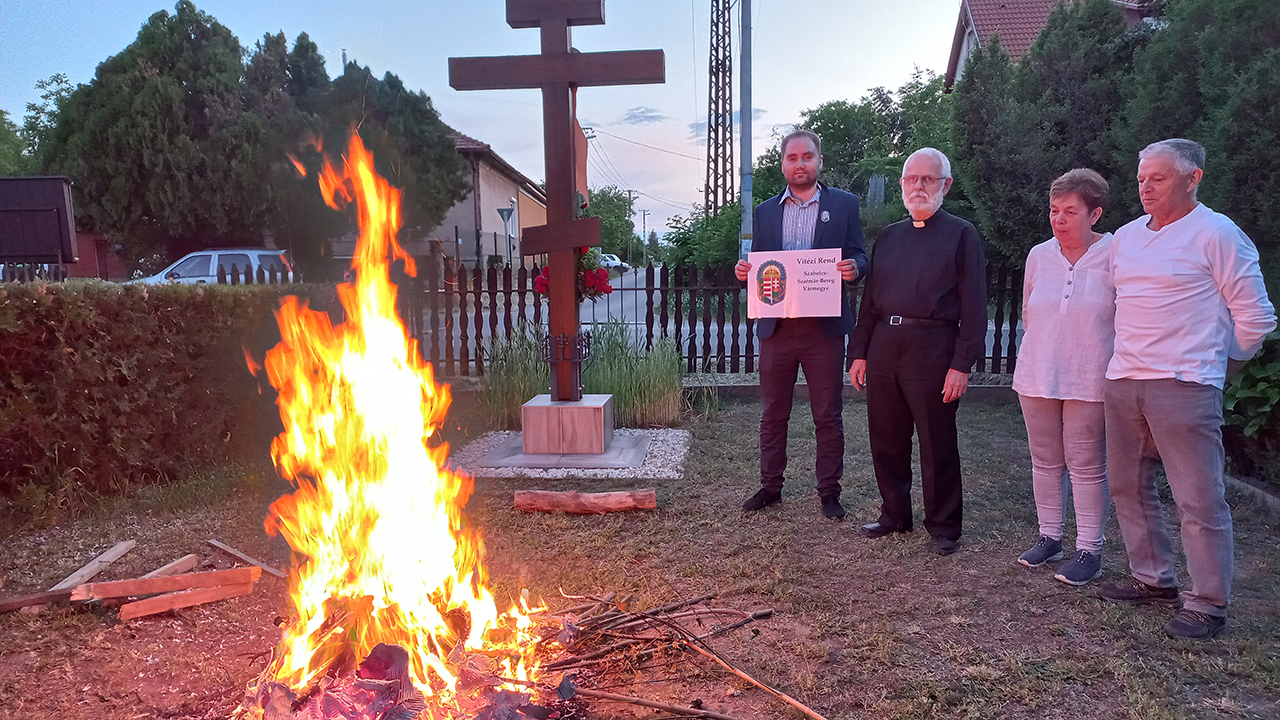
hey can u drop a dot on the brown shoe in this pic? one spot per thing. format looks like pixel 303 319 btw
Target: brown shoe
pixel 1132 591
pixel 1193 625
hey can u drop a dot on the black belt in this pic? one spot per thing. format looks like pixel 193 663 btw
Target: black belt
pixel 916 322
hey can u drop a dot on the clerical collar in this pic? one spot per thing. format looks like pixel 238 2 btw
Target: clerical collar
pixel 922 223
pixel 917 223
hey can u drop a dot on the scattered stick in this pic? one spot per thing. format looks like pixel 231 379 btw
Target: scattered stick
pixel 177 567
pixel 172 601
pixel 780 695
pixel 40 598
pixel 236 553
pixel 676 709
pixel 585 503
pixel 95 566
pixel 151 586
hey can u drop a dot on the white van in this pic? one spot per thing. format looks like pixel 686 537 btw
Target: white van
pixel 202 266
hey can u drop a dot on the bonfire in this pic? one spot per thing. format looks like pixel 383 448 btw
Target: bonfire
pixel 389 609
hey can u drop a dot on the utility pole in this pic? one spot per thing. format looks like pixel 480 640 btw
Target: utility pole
pixel 719 188
pixel 744 119
pixel 631 198
pixel 644 234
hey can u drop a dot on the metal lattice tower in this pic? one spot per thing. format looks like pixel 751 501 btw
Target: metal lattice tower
pixel 719 188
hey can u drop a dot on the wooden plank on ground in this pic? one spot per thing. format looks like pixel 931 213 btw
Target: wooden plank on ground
pixel 40 598
pixel 236 553
pixel 95 566
pixel 177 567
pixel 152 586
pixel 186 598
pixel 585 503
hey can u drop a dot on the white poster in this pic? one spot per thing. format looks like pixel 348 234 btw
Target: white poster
pixel 794 283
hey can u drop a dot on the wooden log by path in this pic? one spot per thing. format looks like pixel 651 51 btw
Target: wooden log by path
pixel 236 553
pixel 585 503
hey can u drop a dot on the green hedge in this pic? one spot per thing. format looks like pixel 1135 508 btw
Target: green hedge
pixel 104 387
pixel 1252 414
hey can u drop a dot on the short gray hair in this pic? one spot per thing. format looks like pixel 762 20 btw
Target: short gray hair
pixel 937 156
pixel 1188 155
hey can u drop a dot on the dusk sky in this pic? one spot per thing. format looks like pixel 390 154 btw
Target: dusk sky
pixel 807 52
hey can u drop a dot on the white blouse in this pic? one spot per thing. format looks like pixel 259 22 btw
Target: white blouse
pixel 1068 319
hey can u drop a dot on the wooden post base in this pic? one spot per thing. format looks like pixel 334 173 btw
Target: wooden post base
pixel 554 427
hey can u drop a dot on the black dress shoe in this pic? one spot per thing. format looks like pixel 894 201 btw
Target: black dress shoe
pixel 877 530
pixel 832 508
pixel 761 500
pixel 943 546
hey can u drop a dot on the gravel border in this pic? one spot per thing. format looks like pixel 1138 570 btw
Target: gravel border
pixel 664 460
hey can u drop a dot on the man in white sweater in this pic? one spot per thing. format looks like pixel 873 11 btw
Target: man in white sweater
pixel 1191 309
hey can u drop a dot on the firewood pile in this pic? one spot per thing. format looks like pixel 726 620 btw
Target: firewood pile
pixel 169 587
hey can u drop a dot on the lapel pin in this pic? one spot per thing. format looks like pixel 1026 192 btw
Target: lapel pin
pixel 825 216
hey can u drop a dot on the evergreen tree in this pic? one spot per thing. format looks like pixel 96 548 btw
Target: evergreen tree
pixel 1000 156
pixel 162 152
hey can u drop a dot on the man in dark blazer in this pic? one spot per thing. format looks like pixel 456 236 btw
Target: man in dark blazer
pixel 807 216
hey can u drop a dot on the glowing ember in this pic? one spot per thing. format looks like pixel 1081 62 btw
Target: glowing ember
pixel 384 555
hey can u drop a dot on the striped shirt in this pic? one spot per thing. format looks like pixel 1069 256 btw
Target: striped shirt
pixel 799 220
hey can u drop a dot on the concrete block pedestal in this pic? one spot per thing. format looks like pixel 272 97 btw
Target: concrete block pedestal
pixel 555 427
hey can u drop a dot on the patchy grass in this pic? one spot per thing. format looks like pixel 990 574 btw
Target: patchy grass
pixel 863 628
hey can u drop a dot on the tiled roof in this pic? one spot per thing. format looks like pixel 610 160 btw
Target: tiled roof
pixel 465 143
pixel 1017 22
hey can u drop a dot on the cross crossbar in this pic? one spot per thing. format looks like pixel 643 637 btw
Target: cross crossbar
pixel 513 72
pixel 533 13
pixel 560 236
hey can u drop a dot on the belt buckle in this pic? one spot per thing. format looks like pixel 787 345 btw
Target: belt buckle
pixel 895 319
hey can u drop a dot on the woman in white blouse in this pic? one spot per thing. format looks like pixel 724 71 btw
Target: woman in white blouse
pixel 1068 312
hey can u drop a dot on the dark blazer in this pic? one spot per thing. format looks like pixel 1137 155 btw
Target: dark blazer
pixel 842 229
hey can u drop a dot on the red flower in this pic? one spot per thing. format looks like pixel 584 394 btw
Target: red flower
pixel 586 250
pixel 607 289
pixel 590 279
pixel 602 274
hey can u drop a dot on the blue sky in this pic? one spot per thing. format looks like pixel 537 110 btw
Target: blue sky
pixel 806 52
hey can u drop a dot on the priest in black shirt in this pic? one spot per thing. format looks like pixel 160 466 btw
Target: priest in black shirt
pixel 921 326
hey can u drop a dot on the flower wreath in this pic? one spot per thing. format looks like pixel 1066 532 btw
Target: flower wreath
pixel 593 280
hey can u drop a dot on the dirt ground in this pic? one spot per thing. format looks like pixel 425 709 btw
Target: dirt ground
pixel 862 628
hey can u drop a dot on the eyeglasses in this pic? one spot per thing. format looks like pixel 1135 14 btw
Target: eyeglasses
pixel 926 180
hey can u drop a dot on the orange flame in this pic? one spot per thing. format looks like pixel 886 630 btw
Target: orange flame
pixel 384 553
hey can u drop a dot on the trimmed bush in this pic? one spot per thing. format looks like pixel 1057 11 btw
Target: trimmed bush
pixel 104 387
pixel 1252 415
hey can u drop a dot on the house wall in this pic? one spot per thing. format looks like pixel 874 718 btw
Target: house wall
pixel 492 189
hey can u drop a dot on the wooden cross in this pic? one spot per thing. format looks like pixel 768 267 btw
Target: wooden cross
pixel 557 71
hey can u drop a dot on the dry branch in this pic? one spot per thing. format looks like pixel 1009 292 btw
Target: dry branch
pixel 177 567
pixel 236 553
pixel 187 598
pixel 585 503
pixel 780 695
pixel 95 566
pixel 151 586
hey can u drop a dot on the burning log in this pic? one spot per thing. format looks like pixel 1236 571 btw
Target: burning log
pixel 585 503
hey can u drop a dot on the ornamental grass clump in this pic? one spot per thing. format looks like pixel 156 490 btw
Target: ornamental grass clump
pixel 646 386
pixel 516 373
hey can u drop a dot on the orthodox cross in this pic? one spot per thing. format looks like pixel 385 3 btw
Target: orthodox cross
pixel 558 71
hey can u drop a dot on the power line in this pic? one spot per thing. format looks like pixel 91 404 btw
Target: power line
pixel 651 147
pixel 679 206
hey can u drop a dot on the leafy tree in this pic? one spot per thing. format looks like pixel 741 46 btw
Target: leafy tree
pixel 705 240
pixel 41 117
pixel 163 154
pixel 614 207
pixel 410 144
pixel 766 176
pixel 12 159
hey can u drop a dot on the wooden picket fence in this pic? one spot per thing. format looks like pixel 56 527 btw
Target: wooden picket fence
pixel 453 310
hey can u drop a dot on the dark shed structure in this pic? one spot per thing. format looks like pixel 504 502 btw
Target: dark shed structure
pixel 37 224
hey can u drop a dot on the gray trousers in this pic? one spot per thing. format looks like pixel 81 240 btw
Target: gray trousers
pixel 1068 435
pixel 1181 423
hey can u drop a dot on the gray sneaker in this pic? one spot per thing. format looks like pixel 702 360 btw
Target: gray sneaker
pixel 1045 549
pixel 1084 568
